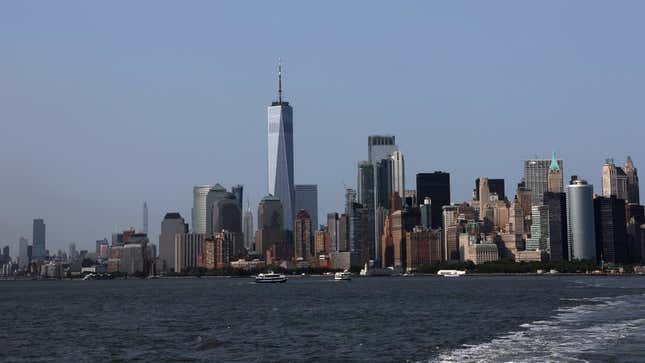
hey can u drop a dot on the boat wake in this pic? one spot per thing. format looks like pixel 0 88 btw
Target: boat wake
pixel 590 331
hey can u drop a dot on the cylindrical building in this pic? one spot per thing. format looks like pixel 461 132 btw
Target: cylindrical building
pixel 582 239
pixel 199 219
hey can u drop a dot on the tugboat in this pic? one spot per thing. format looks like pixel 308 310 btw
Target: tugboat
pixel 344 276
pixel 270 277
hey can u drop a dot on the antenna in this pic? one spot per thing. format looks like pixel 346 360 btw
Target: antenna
pixel 279 80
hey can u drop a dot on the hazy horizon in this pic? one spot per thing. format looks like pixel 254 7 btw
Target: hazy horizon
pixel 106 105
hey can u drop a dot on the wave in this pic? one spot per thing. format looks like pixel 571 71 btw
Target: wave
pixel 574 334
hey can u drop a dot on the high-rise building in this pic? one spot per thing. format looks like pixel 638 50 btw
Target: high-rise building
pixel 188 249
pixel 540 235
pixel 580 221
pixel 379 150
pixel 633 192
pixel 398 173
pixel 199 218
pixel 614 180
pixel 238 193
pixel 280 155
pixel 436 186
pixel 410 198
pixel 495 186
pixel 611 233
pixel 171 225
pixel 536 177
pixel 365 184
pixel 554 177
pixel 23 253
pixel 247 227
pixel 484 201
pixel 333 231
pixel 39 238
pixel 358 234
pixel 307 199
pixel 558 236
pixel 302 235
pixel 423 246
pixel 223 211
pixel 270 227
pixel 145 217
pixel 426 213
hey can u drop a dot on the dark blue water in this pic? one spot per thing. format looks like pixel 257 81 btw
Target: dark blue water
pixel 474 318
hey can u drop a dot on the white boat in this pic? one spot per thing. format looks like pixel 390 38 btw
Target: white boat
pixel 270 277
pixel 451 273
pixel 345 275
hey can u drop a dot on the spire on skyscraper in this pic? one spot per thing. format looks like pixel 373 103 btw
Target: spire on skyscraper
pixel 279 80
pixel 554 163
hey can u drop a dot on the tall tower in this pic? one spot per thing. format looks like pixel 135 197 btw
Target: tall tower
pixel 280 154
pixel 199 218
pixel 38 238
pixel 398 173
pixel 554 177
pixel 633 193
pixel 536 177
pixel 145 217
pixel 483 197
pixel 580 223
pixel 614 180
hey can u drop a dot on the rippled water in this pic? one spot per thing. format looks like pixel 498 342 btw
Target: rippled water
pixel 474 318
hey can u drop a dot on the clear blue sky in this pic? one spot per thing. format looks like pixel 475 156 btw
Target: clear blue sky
pixel 106 104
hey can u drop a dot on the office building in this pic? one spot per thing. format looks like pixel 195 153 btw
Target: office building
pixel 435 186
pixel 171 225
pixel 398 172
pixel 423 247
pixel 332 231
pixel 199 218
pixel 307 199
pixel 558 236
pixel 614 180
pixel 536 178
pixel 302 236
pixel 188 249
pixel 611 233
pixel 539 240
pixel 495 186
pixel 38 242
pixel 280 155
pixel 426 213
pixel 223 211
pixel 238 193
pixel 580 221
pixel 248 229
pixel 270 228
pixel 555 177
pixel 145 217
pixel 23 253
pixel 633 192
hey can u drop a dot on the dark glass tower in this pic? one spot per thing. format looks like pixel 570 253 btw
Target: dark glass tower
pixel 436 186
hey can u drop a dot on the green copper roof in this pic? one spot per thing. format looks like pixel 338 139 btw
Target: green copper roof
pixel 554 163
pixel 270 197
pixel 218 188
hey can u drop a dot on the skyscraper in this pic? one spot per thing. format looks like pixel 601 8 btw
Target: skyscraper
pixel 280 155
pixel 307 199
pixel 270 228
pixel 238 192
pixel 145 217
pixel 426 213
pixel 398 173
pixel 495 186
pixel 540 235
pixel 633 193
pixel 580 221
pixel 554 177
pixel 171 225
pixel 223 212
pixel 303 235
pixel 536 177
pixel 39 238
pixel 199 218
pixel 379 153
pixel 483 197
pixel 558 237
pixel 333 231
pixel 611 233
pixel 247 227
pixel 614 180
pixel 436 186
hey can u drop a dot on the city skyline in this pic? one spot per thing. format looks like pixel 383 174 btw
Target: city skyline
pixel 75 212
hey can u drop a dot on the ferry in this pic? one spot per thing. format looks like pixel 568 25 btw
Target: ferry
pixel 345 276
pixel 451 273
pixel 270 277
